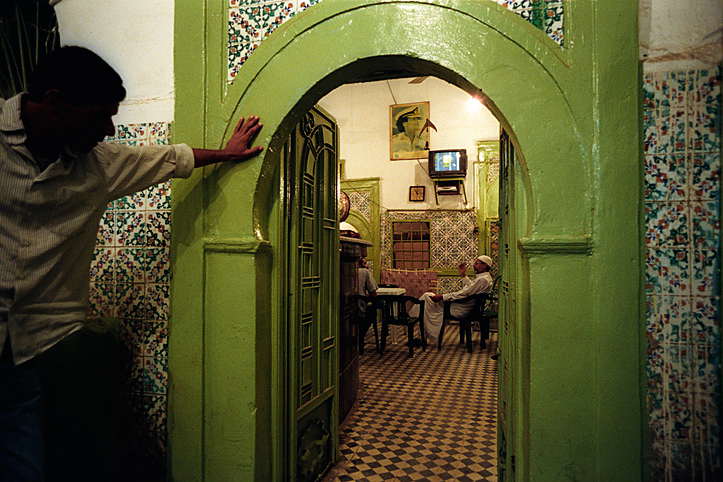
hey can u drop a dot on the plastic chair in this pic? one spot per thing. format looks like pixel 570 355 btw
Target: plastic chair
pixel 465 321
pixel 394 313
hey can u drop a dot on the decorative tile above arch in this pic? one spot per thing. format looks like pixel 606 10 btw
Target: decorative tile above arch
pixel 251 21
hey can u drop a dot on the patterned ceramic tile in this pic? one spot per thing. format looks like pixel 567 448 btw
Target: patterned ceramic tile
pixel 157 296
pixel 159 196
pixel 130 265
pixel 131 335
pixel 102 268
pixel 678 365
pixel 137 374
pixel 101 298
pixel 678 423
pixel 131 300
pixel 553 22
pixel 679 130
pixel 705 87
pixel 707 426
pixel 155 339
pixel 665 178
pixel 705 180
pixel 678 89
pixel 154 407
pixel 360 201
pixel 704 129
pixel 130 228
pixel 133 202
pixel 106 229
pixel 705 320
pixel 707 369
pixel 669 319
pixel 706 224
pixel 158 228
pixel 155 375
pixel 666 224
pixel 668 271
pixel 705 273
pixel 158 268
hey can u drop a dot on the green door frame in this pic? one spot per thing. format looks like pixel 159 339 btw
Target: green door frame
pixel 573 118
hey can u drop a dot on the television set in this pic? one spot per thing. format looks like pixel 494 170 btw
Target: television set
pixel 448 163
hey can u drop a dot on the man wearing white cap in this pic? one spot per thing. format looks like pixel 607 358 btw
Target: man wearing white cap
pixel 434 304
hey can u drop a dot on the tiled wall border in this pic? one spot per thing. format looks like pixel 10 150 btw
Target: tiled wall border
pixel 682 208
pixel 251 21
pixel 130 279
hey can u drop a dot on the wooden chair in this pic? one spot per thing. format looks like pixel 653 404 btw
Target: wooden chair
pixel 465 322
pixel 394 313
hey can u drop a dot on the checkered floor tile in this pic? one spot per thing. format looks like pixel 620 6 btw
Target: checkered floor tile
pixel 429 418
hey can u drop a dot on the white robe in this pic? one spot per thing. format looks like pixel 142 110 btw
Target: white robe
pixel 434 312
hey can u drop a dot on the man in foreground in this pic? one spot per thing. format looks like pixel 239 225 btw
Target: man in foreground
pixel 56 179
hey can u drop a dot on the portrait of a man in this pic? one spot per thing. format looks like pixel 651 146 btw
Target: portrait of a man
pixel 409 131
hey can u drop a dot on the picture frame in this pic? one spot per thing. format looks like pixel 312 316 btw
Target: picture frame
pixel 416 193
pixel 409 131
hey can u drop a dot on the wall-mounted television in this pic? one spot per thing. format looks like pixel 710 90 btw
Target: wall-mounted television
pixel 447 163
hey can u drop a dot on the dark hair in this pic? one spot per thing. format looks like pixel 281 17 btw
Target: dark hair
pixel 81 77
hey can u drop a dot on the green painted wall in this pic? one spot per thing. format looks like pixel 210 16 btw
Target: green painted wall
pixel 573 116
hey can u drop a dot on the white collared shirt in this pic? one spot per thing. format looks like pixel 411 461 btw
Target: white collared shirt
pixel 49 222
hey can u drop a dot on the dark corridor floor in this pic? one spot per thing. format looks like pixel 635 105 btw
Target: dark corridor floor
pixel 429 418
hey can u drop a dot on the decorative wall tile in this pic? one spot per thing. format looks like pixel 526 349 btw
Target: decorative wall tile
pixel 158 269
pixel 106 229
pixel 251 21
pixel 682 192
pixel 130 265
pixel 155 339
pixel 159 196
pixel 705 273
pixel 666 224
pixel 669 318
pixel 158 231
pixel 130 228
pixel 102 268
pixel 157 296
pixel 666 178
pixel 155 375
pixel 155 409
pixel 668 271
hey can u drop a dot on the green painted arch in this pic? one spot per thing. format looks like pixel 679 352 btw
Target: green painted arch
pixel 374 39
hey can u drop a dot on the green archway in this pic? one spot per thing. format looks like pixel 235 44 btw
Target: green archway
pixel 573 117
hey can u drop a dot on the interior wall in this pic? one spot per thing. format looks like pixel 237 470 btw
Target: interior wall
pixel 362 112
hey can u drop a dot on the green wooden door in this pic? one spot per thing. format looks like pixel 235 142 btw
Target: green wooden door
pixel 311 159
pixel 506 309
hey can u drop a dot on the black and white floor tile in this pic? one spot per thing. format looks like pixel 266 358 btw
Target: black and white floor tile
pixel 429 418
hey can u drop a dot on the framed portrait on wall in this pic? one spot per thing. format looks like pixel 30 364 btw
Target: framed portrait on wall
pixel 409 131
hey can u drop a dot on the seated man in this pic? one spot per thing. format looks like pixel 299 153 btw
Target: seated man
pixel 434 304
pixel 366 287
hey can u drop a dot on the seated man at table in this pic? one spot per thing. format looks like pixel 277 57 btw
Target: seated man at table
pixel 366 287
pixel 434 304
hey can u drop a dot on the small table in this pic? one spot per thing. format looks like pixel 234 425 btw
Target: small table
pixel 392 292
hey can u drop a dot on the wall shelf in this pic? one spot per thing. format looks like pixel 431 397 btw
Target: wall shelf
pixel 450 186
